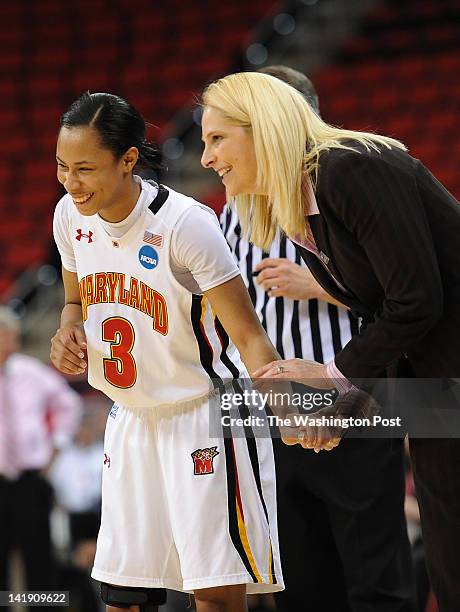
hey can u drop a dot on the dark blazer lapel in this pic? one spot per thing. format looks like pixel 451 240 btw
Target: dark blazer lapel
pixel 323 278
pixel 321 236
pixel 318 270
pixel 329 256
pixel 328 284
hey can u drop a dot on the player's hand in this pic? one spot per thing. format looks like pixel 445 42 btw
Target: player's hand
pixel 284 278
pixel 329 424
pixel 289 431
pixel 68 348
pixel 318 438
pixel 314 437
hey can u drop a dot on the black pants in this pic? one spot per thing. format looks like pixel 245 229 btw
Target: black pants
pixel 25 506
pixel 436 465
pixel 342 528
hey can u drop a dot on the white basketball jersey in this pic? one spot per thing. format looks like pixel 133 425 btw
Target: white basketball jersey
pixel 150 341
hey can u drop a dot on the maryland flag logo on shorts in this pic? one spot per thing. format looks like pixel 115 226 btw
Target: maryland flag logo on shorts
pixel 203 460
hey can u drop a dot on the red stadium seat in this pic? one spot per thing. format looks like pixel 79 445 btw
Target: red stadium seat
pixel 398 75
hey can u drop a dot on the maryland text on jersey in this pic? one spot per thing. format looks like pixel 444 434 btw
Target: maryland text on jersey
pixel 111 288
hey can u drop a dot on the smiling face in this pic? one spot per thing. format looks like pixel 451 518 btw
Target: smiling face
pixel 91 174
pixel 229 151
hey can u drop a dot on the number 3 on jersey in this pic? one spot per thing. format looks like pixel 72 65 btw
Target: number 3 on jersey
pixel 120 369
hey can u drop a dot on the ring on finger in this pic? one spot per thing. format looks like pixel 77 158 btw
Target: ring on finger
pixel 279 369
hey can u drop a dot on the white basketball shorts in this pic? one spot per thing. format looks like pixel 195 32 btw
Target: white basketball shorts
pixel 183 511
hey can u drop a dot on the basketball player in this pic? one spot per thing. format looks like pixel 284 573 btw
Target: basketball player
pixel 152 294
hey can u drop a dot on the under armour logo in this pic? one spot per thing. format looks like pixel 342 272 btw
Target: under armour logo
pixel 106 460
pixel 80 234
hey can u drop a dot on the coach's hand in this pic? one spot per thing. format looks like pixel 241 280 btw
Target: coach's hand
pixel 303 371
pixel 68 348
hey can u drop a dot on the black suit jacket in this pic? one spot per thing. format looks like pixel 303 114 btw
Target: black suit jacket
pixel 389 232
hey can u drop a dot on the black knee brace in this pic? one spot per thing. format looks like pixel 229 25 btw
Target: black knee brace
pixel 124 597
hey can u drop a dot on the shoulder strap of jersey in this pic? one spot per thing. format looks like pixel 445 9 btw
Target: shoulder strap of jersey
pixel 159 200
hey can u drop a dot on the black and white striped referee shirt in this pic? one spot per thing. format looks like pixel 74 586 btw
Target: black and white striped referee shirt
pixel 308 329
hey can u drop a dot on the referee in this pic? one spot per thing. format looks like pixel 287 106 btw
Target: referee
pixel 342 528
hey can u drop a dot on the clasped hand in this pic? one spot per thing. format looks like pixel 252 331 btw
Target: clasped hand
pixel 314 375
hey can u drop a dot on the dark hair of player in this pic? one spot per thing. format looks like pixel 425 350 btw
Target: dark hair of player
pixel 120 126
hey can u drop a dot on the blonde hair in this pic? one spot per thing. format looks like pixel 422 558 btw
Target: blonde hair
pixel 288 139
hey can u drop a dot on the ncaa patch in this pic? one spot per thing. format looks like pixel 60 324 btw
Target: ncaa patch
pixel 113 411
pixel 148 257
pixel 203 459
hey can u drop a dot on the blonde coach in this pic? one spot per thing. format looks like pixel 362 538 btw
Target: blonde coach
pixel 380 234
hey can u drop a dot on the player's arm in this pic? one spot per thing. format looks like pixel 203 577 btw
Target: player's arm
pixel 199 246
pixel 69 343
pixel 232 305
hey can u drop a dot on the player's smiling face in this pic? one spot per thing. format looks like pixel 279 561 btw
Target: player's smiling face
pixel 229 151
pixel 91 174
